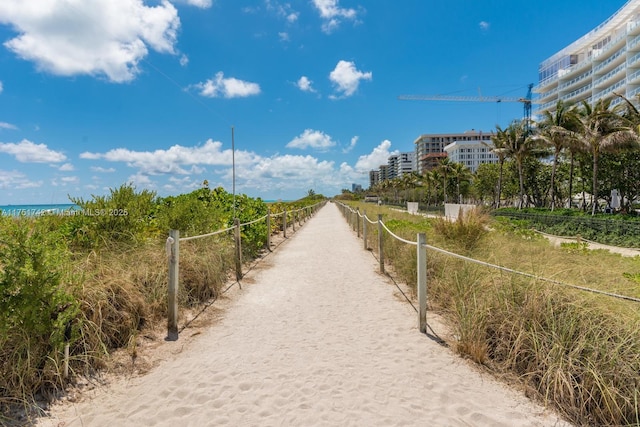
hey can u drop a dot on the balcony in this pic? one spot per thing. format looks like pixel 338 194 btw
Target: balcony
pixel 610 62
pixel 576 93
pixel 601 81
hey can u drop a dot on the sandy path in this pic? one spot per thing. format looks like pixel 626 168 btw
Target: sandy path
pixel 319 340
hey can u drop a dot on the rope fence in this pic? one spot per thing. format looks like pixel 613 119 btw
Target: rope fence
pixel 355 218
pixel 172 248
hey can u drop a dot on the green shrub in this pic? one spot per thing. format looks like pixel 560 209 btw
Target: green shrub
pixel 39 310
pixel 466 231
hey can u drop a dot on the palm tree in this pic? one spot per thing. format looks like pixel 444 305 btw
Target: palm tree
pixel 602 130
pixel 445 167
pixel 499 141
pixel 519 146
pixel 461 173
pixel 555 130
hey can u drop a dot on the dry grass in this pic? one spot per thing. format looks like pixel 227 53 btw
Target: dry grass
pixel 576 351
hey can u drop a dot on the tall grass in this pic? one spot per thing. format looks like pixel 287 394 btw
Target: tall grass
pixel 575 351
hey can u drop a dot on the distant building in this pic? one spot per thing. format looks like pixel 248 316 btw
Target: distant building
pixel 400 164
pixel 374 178
pixel 356 188
pixel 471 153
pixel 603 61
pixel 429 148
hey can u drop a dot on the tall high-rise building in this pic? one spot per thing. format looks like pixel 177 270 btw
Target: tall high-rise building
pixel 598 65
pixel 430 147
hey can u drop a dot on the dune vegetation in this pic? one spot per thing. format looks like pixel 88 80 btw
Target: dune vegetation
pixel 576 351
pixel 95 278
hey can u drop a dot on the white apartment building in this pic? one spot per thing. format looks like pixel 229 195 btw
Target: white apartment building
pixel 471 153
pixel 430 147
pixel 603 61
pixel 400 164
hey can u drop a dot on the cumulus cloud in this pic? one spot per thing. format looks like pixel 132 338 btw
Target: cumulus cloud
pixel 202 4
pixel 484 25
pixel 312 139
pixel 283 10
pixel 9 126
pixel 28 152
pixel 346 77
pixel 175 160
pixel 184 60
pixel 102 170
pixel 352 145
pixel 16 180
pixel 304 84
pixel 67 167
pixel 332 14
pixel 1 87
pixel 99 38
pixel 284 36
pixel 379 156
pixel 230 87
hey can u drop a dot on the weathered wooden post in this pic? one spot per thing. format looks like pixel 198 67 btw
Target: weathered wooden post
pixel 364 228
pixel 269 231
pixel 380 243
pixel 173 253
pixel 293 222
pixel 422 282
pixel 238 250
pixel 358 222
pixel 284 224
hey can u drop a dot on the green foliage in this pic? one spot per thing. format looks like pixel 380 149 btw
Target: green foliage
pixel 122 216
pixel 37 308
pixel 466 231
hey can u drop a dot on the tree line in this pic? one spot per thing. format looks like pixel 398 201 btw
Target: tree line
pixel 573 156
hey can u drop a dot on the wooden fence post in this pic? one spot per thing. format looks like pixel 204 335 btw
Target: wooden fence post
pixel 284 224
pixel 358 222
pixel 238 250
pixel 422 282
pixel 173 253
pixel 269 231
pixel 293 222
pixel 364 228
pixel 380 243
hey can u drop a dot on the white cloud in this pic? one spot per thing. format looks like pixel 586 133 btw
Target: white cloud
pixel 352 145
pixel 67 167
pixel 102 170
pixel 283 10
pixel 140 180
pixel 312 138
pixel 304 84
pixel 29 152
pixel 5 125
pixel 202 4
pixel 347 77
pixel 332 14
pixel 379 156
pixel 284 36
pixel 184 60
pixel 293 17
pixel 98 38
pixel 16 180
pixel 484 25
pixel 174 160
pixel 227 87
pixel 1 87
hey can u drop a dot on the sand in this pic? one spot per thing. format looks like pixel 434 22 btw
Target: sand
pixel 317 337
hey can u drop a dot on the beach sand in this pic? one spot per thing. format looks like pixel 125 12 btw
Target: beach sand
pixel 314 337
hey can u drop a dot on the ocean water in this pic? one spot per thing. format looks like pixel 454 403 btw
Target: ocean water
pixel 37 210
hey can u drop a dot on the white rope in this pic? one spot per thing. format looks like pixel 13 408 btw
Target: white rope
pixel 184 239
pixel 371 222
pixel 398 237
pixel 532 276
pixel 253 222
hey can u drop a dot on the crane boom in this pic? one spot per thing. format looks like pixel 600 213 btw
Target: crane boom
pixel 460 98
pixel 526 101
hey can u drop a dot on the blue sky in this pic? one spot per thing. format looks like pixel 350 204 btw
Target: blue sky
pixel 98 93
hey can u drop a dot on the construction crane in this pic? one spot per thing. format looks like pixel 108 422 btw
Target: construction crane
pixel 527 101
